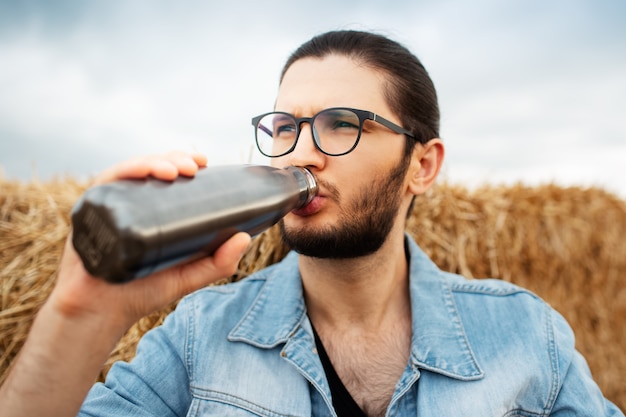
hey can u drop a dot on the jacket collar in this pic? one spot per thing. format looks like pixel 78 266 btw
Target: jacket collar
pixel 278 309
pixel 439 343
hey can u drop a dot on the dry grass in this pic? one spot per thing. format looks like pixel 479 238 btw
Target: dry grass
pixel 565 244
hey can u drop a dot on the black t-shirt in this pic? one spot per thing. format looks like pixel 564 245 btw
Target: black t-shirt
pixel 344 404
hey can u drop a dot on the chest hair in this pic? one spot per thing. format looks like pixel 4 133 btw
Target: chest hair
pixel 370 365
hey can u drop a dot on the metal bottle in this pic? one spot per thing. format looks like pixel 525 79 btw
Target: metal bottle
pixel 132 228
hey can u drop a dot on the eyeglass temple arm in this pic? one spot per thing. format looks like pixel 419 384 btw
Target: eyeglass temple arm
pixel 391 125
pixel 266 130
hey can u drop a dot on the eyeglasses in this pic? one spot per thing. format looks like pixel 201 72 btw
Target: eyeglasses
pixel 336 131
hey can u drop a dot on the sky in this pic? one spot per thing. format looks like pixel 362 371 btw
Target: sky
pixel 530 91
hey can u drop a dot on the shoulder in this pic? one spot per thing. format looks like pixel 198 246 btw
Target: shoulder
pixel 475 295
pixel 501 320
pixel 493 290
pixel 516 334
pixel 499 305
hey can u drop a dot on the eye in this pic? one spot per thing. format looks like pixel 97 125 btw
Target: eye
pixel 283 127
pixel 286 128
pixel 338 120
pixel 344 124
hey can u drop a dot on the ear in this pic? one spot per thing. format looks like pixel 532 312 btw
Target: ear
pixel 425 165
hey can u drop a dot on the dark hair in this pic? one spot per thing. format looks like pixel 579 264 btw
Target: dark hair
pixel 410 94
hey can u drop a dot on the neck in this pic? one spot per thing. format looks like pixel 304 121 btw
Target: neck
pixel 365 293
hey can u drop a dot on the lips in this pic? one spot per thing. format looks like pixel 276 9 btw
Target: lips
pixel 310 209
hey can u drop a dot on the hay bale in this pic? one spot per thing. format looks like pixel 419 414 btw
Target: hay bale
pixel 33 224
pixel 565 244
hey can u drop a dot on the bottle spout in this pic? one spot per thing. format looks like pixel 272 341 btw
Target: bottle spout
pixel 311 185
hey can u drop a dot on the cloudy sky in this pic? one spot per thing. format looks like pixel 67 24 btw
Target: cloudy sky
pixel 531 91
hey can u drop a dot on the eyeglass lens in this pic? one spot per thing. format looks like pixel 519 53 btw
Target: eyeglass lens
pixel 335 132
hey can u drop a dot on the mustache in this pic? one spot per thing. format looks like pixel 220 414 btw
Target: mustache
pixel 330 190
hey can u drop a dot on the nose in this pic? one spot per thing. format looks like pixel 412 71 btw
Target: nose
pixel 305 154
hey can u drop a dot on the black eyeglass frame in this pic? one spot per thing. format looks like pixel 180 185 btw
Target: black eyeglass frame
pixel 363 115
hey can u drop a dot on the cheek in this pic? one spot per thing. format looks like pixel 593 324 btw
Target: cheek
pixel 280 162
pixel 369 167
pixel 380 148
pixel 358 174
pixel 371 161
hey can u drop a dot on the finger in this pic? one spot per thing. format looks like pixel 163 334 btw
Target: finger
pixel 164 167
pixel 203 272
pixel 231 252
pixel 186 164
pixel 132 168
pixel 199 159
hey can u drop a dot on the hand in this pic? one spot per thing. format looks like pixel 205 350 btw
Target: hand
pixel 78 293
pixel 84 317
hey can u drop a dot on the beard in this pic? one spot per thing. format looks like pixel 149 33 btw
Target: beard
pixel 364 223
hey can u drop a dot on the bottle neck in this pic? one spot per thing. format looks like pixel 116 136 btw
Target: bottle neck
pixel 311 185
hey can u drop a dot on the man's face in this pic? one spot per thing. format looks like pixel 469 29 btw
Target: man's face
pixel 359 193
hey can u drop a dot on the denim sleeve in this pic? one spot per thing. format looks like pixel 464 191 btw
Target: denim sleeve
pixel 579 395
pixel 155 383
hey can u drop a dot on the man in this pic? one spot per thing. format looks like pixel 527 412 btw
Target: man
pixel 356 321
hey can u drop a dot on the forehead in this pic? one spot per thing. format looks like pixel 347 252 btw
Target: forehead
pixel 313 84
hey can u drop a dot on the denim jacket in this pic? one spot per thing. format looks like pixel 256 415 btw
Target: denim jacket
pixel 479 348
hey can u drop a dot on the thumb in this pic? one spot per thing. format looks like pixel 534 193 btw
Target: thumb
pixel 205 271
pixel 228 255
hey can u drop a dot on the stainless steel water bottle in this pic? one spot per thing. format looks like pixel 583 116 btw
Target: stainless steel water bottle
pixel 132 228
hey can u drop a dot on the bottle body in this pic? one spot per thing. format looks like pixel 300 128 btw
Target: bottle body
pixel 132 228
